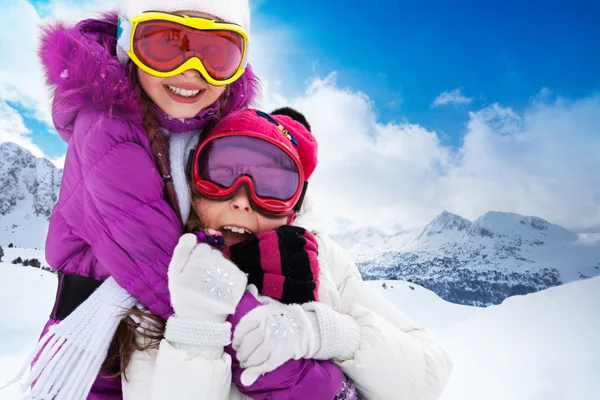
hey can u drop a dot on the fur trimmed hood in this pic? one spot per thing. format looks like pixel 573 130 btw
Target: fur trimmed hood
pixel 82 68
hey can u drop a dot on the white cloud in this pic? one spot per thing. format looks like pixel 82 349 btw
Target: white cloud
pixel 72 11
pixel 454 97
pixel 21 75
pixel 12 129
pixel 542 162
pixel 59 162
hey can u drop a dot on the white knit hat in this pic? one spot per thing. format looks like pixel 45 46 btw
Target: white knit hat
pixel 234 11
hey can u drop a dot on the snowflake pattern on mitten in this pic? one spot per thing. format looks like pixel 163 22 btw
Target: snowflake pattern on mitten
pixel 218 282
pixel 283 326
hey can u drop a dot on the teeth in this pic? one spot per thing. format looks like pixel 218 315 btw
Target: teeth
pixel 236 229
pixel 183 92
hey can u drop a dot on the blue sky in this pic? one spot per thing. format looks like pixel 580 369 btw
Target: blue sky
pixel 404 53
pixel 517 78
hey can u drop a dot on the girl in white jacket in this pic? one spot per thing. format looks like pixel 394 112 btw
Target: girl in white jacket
pixel 382 351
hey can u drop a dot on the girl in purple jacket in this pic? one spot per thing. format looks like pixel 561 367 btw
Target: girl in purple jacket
pixel 133 91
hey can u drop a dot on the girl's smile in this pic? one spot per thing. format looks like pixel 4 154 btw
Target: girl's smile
pixel 180 96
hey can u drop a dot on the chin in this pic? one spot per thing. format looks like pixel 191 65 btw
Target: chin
pixel 183 112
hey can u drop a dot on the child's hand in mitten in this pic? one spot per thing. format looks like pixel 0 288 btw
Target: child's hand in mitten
pixel 205 289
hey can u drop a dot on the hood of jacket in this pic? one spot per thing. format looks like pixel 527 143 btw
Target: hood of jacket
pixel 83 71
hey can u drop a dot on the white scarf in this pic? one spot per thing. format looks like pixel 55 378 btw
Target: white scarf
pixel 70 354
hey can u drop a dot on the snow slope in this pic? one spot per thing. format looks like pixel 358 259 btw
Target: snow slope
pixel 423 305
pixel 542 346
pixel 26 299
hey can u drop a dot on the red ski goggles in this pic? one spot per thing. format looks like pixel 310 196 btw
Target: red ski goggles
pixel 164 45
pixel 272 174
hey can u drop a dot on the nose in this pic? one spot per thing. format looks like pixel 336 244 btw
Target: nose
pixel 240 202
pixel 191 73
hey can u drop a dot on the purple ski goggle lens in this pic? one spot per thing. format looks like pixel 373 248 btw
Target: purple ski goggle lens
pixel 273 172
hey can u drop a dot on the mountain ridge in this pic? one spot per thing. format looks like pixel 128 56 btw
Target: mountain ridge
pixel 480 262
pixel 500 254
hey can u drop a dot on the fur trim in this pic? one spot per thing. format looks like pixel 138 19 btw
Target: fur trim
pixel 81 66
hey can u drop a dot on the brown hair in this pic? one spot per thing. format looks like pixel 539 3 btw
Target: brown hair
pixel 194 224
pixel 158 144
pixel 134 336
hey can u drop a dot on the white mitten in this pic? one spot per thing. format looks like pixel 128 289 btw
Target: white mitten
pixel 274 333
pixel 205 288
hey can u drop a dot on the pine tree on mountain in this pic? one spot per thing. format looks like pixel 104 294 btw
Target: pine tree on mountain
pixel 17 260
pixel 1 253
pixel 10 246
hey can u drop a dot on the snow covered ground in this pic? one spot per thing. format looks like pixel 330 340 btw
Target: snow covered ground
pixel 26 299
pixel 543 345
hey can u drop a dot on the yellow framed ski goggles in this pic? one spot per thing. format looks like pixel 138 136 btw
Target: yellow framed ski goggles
pixel 164 45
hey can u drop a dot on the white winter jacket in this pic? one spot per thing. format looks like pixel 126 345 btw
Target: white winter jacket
pixel 397 359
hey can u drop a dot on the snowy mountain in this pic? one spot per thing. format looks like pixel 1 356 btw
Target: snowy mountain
pixel 28 191
pixel 539 346
pixel 445 222
pixel 477 263
pixel 474 263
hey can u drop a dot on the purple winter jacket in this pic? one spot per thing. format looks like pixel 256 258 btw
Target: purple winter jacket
pixel 111 218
